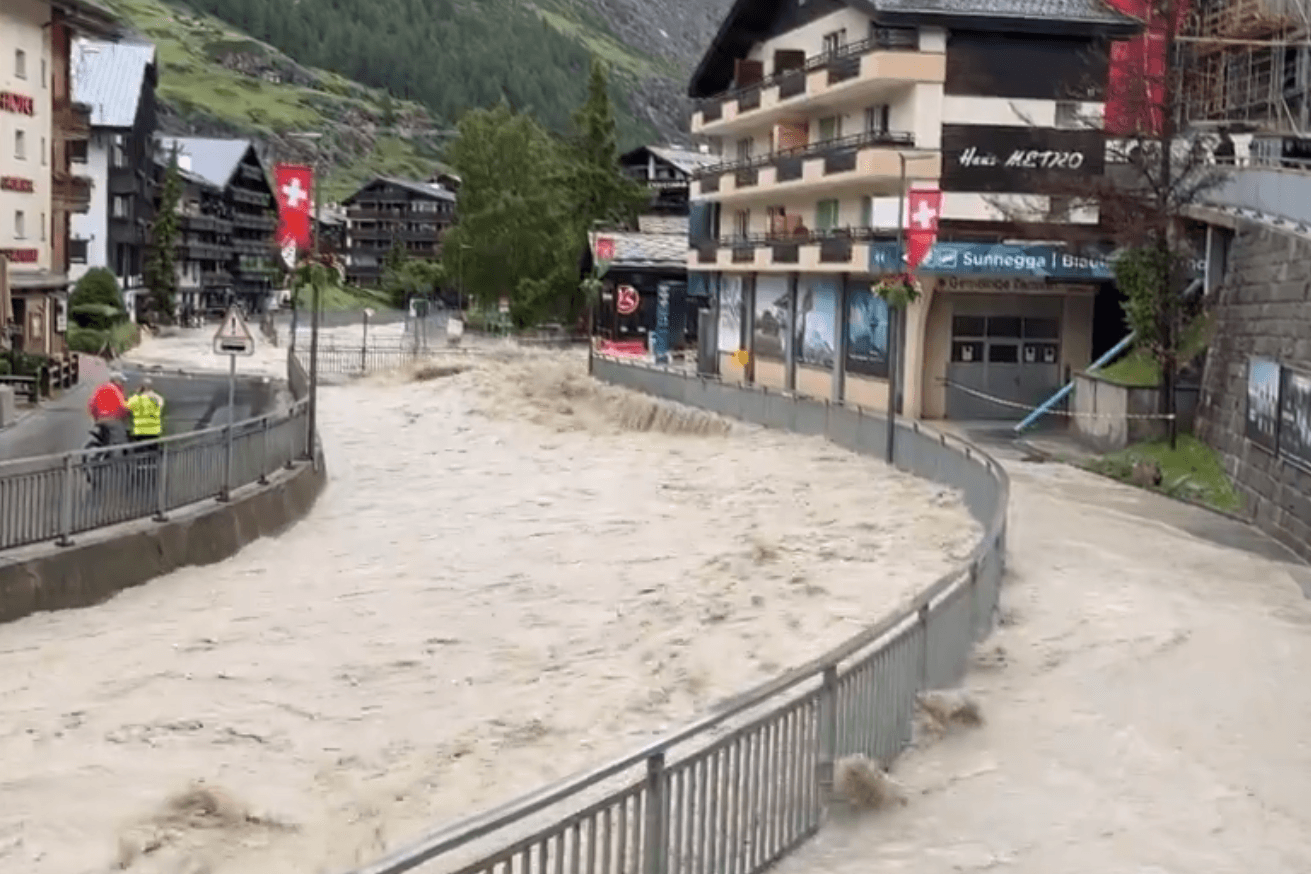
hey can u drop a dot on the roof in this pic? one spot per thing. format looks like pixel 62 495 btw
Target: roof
pixel 212 160
pixel 663 224
pixel 427 189
pixel 748 19
pixel 687 160
pixel 108 76
pixel 648 250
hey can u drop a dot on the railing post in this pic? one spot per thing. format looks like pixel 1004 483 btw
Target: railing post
pixel 226 494
pixel 828 734
pixel 66 503
pixel 657 820
pixel 161 483
pixel 923 619
pixel 264 451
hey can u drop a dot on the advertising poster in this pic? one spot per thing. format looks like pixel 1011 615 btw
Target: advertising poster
pixel 867 332
pixel 1263 403
pixel 730 314
pixel 773 310
pixel 817 310
pixel 1295 418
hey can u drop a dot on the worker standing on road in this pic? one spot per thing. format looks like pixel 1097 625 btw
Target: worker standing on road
pixel 147 409
pixel 109 410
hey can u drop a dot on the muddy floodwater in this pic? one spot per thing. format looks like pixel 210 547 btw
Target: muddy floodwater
pixel 513 574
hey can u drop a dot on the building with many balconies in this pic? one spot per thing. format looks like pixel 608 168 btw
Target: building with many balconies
pixel 41 130
pixel 388 213
pixel 226 249
pixel 824 113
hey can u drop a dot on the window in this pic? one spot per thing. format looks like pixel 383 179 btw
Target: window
pixel 742 223
pixel 830 128
pixel 77 151
pixel 744 147
pixel 20 145
pixel 43 227
pixel 826 215
pixel 867 212
pixel 119 152
pixel 77 251
pixel 122 206
pixel 20 225
pixel 778 220
pixel 20 63
pixel 43 151
pixel 43 72
pixel 876 118
pixel 834 41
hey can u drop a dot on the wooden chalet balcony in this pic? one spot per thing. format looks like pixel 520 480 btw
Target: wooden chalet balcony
pixel 71 121
pixel 215 279
pixel 250 198
pixel 70 193
pixel 836 250
pixel 856 70
pixel 829 164
pixel 259 221
pixel 200 222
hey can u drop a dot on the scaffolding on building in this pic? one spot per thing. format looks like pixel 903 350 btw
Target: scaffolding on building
pixel 1248 65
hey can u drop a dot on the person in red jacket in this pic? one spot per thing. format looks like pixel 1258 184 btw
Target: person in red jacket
pixel 109 410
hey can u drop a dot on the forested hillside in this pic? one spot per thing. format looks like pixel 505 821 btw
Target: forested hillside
pixel 451 56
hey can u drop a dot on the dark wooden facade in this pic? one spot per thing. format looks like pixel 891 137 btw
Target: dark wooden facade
pixel 131 181
pixel 392 213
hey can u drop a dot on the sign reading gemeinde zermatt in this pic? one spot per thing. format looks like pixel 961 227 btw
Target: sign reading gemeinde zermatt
pixel 294 189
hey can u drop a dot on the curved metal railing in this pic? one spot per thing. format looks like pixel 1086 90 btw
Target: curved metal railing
pixel 55 497
pixel 747 782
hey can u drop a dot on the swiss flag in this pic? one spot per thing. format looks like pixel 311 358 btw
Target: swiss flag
pixel 294 184
pixel 924 205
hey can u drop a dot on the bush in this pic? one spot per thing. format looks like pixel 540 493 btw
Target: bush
pixel 112 341
pixel 96 301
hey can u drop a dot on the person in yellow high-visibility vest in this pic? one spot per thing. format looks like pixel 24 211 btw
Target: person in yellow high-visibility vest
pixel 147 413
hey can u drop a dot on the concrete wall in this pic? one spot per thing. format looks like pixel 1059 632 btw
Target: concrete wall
pixel 1263 308
pixel 103 563
pixel 1106 414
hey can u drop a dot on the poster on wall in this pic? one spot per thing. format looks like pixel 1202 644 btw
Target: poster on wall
pixel 730 314
pixel 773 311
pixel 1295 418
pixel 1263 403
pixel 817 310
pixel 867 332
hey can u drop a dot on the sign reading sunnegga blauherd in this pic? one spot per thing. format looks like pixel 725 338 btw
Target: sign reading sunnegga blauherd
pixel 984 259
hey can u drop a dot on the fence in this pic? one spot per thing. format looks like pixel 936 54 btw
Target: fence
pixel 55 497
pixel 747 783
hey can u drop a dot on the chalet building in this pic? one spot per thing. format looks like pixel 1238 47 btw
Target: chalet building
pixel 667 171
pixel 42 128
pixel 226 249
pixel 824 113
pixel 118 81
pixel 388 212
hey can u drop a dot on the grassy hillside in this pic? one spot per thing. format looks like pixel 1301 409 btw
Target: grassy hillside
pixel 215 80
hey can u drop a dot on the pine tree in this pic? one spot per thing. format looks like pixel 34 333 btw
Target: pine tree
pixel 593 182
pixel 161 265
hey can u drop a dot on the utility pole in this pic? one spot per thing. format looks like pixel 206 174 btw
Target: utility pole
pixel 312 429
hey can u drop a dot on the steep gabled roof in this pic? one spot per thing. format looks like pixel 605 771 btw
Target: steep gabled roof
pixel 213 160
pixel 108 76
pixel 427 189
pixel 687 160
pixel 748 21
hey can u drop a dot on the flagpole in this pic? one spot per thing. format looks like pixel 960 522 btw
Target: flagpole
pixel 894 318
pixel 312 426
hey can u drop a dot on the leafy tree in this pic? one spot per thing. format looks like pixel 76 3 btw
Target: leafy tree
pixel 161 274
pixel 96 301
pixel 416 278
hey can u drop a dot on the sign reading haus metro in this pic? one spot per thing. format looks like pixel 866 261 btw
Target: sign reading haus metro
pixel 1018 160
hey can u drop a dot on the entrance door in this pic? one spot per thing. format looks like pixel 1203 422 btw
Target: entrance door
pixel 1002 366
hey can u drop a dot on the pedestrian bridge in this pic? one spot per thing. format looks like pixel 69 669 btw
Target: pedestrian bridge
pixel 1269 191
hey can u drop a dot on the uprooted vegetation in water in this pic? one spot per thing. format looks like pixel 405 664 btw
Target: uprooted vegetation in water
pixel 188 824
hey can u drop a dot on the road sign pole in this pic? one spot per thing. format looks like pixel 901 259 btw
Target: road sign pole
pixel 232 420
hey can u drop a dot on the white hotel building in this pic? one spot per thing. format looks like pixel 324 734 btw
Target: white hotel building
pixel 816 108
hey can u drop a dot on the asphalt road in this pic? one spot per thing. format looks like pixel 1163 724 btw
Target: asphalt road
pixel 192 402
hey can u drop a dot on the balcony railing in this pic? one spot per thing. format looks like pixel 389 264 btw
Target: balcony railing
pixel 215 279
pixel 72 121
pixel 199 222
pixel 843 63
pixel 254 220
pixel 253 198
pixel 790 161
pixel 836 246
pixel 71 193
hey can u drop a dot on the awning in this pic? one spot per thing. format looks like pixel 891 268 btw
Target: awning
pixel 36 280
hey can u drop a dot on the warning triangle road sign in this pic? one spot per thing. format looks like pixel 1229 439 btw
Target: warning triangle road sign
pixel 234 337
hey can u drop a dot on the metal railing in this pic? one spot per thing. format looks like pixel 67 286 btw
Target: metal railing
pixel 54 497
pixel 748 782
pixel 817 149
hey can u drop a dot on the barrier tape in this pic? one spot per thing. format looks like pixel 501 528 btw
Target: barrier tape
pixel 1018 406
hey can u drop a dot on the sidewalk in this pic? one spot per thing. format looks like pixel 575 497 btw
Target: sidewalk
pixel 60 425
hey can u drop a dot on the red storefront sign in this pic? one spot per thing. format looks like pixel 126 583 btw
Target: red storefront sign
pixel 20 256
pixel 11 102
pixel 16 183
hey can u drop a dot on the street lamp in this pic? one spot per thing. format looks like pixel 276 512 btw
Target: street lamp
pixel 312 425
pixel 894 313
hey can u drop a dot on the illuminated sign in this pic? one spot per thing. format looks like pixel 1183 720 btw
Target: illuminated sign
pixel 21 256
pixel 15 183
pixel 11 102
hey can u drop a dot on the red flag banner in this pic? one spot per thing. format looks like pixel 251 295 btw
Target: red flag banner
pixel 605 249
pixel 924 206
pixel 294 189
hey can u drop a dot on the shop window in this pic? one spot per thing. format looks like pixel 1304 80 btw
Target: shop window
pixel 1041 329
pixel 969 326
pixel 1004 326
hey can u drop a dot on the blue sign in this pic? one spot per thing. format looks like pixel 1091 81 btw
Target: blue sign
pixel 989 259
pixel 660 337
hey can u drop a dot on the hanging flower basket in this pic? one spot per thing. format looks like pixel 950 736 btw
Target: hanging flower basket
pixel 899 290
